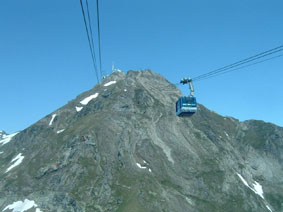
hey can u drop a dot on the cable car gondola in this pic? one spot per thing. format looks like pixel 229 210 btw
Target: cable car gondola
pixel 186 105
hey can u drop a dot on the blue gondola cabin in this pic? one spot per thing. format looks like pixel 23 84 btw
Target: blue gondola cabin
pixel 186 106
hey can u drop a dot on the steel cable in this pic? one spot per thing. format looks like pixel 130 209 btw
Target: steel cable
pixel 89 41
pixel 239 63
pixel 239 68
pixel 99 42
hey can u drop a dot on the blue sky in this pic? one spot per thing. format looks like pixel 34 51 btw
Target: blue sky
pixel 45 60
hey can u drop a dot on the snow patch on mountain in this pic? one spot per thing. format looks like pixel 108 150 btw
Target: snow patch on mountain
pixel 1 153
pixel 7 138
pixel 88 99
pixel 60 131
pixel 16 161
pixel 243 180
pixel 189 201
pixel 257 188
pixel 78 109
pixel 20 206
pixel 110 83
pixel 268 208
pixel 143 167
pixel 52 119
pixel 140 166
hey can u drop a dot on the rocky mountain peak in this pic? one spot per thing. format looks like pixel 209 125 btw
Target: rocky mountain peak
pixel 121 147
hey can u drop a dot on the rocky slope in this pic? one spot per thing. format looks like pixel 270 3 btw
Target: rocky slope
pixel 120 147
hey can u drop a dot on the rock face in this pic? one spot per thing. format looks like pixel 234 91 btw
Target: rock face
pixel 120 147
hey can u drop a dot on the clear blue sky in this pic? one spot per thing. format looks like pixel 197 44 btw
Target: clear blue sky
pixel 45 60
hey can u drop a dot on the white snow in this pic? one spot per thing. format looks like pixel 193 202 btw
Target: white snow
pixel 243 180
pixel 20 206
pixel 125 90
pixel 143 167
pixel 140 166
pixel 226 134
pixel 257 188
pixel 52 119
pixel 78 109
pixel 1 153
pixel 7 138
pixel 189 201
pixel 109 83
pixel 88 99
pixel 17 161
pixel 59 131
pixel 268 208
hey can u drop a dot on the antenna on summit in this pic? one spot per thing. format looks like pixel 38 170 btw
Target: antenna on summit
pixel 115 69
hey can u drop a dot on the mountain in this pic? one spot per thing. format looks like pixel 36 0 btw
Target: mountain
pixel 121 147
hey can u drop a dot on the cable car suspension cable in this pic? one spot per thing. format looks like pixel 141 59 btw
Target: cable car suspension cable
pixel 239 63
pixel 98 26
pixel 89 40
pixel 230 70
pixel 90 29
